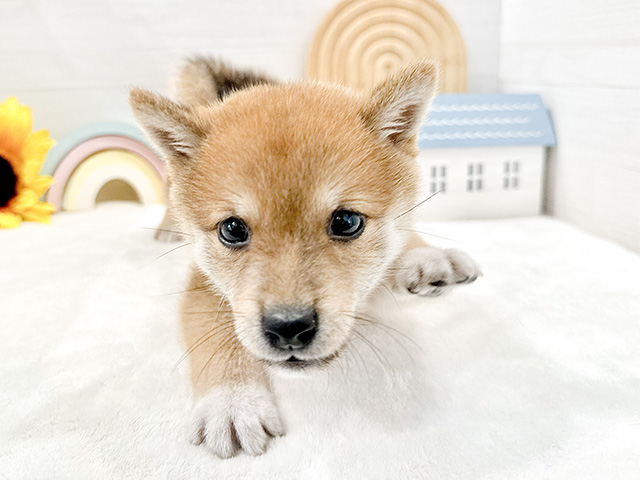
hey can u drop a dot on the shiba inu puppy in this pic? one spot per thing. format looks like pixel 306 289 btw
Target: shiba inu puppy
pixel 298 199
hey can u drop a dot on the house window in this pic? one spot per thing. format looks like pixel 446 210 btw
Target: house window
pixel 511 175
pixel 475 181
pixel 438 179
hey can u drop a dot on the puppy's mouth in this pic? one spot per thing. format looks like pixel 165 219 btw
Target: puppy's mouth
pixel 294 363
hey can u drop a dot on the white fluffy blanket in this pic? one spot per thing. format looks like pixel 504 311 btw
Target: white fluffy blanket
pixel 532 372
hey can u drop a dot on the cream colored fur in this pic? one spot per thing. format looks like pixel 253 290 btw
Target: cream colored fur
pixel 283 158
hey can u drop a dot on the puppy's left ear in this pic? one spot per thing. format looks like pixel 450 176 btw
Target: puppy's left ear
pixel 398 105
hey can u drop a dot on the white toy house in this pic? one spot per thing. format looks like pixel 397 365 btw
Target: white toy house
pixel 484 155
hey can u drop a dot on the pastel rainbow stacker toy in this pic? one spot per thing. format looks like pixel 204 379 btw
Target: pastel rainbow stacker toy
pixel 104 161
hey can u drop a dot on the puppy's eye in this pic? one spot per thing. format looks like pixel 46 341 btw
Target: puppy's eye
pixel 233 232
pixel 346 225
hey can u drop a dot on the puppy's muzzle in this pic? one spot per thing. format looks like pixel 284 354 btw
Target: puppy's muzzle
pixel 290 327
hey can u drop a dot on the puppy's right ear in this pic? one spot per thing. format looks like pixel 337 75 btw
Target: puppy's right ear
pixel 172 127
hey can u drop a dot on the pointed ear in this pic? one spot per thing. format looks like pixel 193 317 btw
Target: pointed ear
pixel 170 126
pixel 398 105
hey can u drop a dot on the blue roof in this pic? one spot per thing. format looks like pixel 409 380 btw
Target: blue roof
pixel 486 120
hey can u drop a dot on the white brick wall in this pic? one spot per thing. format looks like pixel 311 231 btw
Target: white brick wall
pixel 72 60
pixel 583 57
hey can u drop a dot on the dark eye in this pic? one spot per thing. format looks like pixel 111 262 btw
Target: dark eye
pixel 346 225
pixel 233 232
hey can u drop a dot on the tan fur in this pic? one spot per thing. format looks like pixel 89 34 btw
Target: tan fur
pixel 415 241
pixel 283 158
pixel 204 80
pixel 290 252
pixel 217 357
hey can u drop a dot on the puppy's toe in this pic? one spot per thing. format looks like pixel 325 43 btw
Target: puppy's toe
pixel 425 271
pixel 430 271
pixel 465 269
pixel 229 419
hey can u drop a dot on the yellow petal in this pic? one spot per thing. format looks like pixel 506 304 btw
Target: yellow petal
pixel 25 153
pixel 15 127
pixel 9 220
pixel 39 213
pixel 24 200
pixel 33 155
pixel 41 185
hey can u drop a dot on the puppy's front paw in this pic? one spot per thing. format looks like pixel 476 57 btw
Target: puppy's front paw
pixel 430 271
pixel 228 419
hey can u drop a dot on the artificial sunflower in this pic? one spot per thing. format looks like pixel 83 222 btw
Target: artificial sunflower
pixel 22 154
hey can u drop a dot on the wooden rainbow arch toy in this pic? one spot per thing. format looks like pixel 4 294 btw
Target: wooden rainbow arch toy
pixel 101 157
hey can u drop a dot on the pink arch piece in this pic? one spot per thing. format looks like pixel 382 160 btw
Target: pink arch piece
pixel 98 144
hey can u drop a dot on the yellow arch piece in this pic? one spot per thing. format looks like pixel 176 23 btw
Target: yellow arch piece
pixel 102 167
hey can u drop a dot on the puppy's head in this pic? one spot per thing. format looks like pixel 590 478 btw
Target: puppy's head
pixel 295 196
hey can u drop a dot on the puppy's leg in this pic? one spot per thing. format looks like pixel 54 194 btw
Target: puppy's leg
pixel 234 408
pixel 166 232
pixel 431 271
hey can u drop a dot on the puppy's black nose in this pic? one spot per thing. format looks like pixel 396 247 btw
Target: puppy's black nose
pixel 290 327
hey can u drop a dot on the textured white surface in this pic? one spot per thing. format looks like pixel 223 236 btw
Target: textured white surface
pixel 532 372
